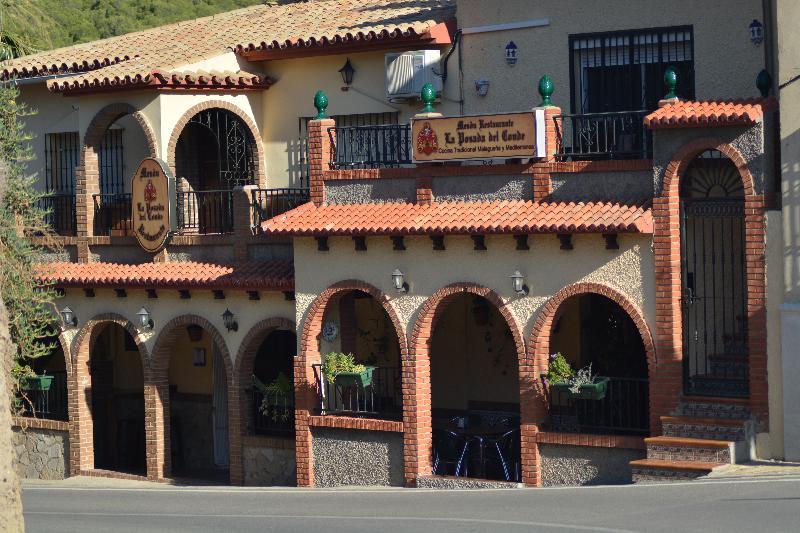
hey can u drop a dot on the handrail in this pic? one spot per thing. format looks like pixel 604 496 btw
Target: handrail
pixel 378 146
pixel 608 135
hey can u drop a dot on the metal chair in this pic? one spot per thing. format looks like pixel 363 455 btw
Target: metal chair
pixel 449 449
pixel 506 447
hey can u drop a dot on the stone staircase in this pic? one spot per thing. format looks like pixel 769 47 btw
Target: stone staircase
pixel 703 434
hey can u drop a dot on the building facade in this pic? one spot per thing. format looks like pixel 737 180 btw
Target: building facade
pixel 642 237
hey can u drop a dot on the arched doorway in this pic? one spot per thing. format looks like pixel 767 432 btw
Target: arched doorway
pixel 355 323
pixel 714 277
pixel 117 401
pixel 192 358
pixel 475 391
pixel 592 329
pixel 215 151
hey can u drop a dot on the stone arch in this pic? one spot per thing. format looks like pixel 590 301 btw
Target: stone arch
pixel 305 388
pixel 669 292
pixel 539 340
pixel 242 369
pixel 157 402
pixel 417 382
pixel 261 176
pixel 81 431
pixel 88 171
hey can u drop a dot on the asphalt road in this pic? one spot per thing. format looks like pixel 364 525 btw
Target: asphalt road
pixel 759 505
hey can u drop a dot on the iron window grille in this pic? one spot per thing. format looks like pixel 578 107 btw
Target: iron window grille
pixel 61 158
pixel 112 163
pixel 624 70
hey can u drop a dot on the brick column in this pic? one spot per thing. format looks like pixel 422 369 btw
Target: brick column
pixel 540 182
pixel 424 191
pixel 242 220
pixel 86 183
pixel 755 259
pixel 320 148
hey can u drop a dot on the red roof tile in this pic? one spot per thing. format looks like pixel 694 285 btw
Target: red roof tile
pixel 702 114
pixel 253 275
pixel 463 218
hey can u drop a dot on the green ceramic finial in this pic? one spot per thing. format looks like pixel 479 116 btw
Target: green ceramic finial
pixel 764 82
pixel 321 103
pixel 670 82
pixel 428 96
pixel 546 89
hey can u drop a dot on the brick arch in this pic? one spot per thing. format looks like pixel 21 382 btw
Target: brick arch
pixel 416 374
pixel 539 340
pixel 667 253
pixel 87 173
pixel 157 405
pixel 81 430
pixel 305 386
pixel 261 176
pixel 242 369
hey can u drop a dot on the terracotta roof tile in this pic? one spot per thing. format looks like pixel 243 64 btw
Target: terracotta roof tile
pixel 465 218
pixel 253 275
pixel 702 114
pixel 131 58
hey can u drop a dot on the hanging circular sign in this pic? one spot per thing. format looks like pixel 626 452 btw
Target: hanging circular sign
pixel 153 204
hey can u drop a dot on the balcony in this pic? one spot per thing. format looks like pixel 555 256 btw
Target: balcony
pixel 381 399
pixel 205 212
pixel 273 413
pixel 381 146
pixel 269 203
pixel 61 211
pixel 112 214
pixel 49 404
pixel 592 136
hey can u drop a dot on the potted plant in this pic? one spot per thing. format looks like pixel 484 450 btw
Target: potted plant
pixel 580 385
pixel 38 383
pixel 341 369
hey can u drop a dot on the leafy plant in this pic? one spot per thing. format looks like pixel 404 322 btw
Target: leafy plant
pixel 584 376
pixel 335 363
pixel 559 370
pixel 277 392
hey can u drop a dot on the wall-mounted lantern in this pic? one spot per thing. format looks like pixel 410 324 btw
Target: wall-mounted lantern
pixel 398 280
pixel 512 53
pixel 228 320
pixel 145 322
pixel 481 87
pixel 756 32
pixel 518 283
pixel 347 72
pixel 68 317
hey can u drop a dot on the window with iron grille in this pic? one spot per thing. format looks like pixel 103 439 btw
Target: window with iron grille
pixel 624 71
pixel 112 163
pixel 61 158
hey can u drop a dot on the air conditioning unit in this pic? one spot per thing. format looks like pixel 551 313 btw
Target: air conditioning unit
pixel 407 72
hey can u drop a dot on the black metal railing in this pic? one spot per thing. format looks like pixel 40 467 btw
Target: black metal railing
pixel 50 404
pixel 205 212
pixel 618 135
pixel 60 212
pixel 387 145
pixel 624 410
pixel 112 214
pixel 273 413
pixel 381 399
pixel 269 203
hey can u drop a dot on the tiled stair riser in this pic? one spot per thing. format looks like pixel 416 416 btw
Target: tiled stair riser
pixel 714 410
pixel 688 453
pixel 704 431
pixel 654 475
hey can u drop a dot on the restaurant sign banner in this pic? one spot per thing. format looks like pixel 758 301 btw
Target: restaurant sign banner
pixel 502 136
pixel 153 204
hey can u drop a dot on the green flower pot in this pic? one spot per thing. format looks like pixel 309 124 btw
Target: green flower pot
pixel 357 379
pixel 38 383
pixel 594 391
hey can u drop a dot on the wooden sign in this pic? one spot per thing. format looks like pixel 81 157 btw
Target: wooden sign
pixel 152 204
pixel 505 136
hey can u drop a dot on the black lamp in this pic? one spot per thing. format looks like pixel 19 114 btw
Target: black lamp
pixel 69 318
pixel 347 72
pixel 230 323
pixel 145 322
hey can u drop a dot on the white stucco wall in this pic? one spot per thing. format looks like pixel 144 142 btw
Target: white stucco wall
pixel 547 270
pixel 726 62
pixel 169 305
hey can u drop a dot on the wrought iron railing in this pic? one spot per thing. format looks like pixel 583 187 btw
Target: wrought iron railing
pixel 60 212
pixel 269 203
pixel 624 410
pixel 273 413
pixel 618 135
pixel 381 399
pixel 387 145
pixel 205 212
pixel 112 214
pixel 50 404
